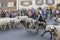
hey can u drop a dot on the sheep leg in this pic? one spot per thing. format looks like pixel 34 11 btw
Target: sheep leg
pixel 46 32
pixel 37 31
pixel 44 27
pixel 43 33
pixel 27 28
pixel 1 28
pixel 9 26
pixel 5 27
pixel 16 25
pixel 57 38
pixel 51 34
pixel 30 30
pixel 37 28
pixel 30 26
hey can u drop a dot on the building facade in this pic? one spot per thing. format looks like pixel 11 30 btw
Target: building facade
pixel 58 1
pixel 13 5
pixel 36 3
pixel 8 5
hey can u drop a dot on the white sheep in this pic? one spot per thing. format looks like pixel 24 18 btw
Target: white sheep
pixel 57 20
pixel 57 31
pixel 30 24
pixel 22 17
pixel 8 21
pixel 18 19
pixel 49 29
pixel 53 29
pixel 16 22
pixel 53 18
pixel 4 22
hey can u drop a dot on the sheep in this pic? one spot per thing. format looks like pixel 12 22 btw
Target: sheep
pixel 50 29
pixel 53 18
pixel 42 23
pixel 10 21
pixel 54 30
pixel 3 23
pixel 29 23
pixel 18 19
pixel 57 20
pixel 22 17
pixel 57 32
pixel 16 22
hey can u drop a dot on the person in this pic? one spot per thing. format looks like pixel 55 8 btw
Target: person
pixel 47 13
pixel 22 12
pixel 43 13
pixel 53 11
pixel 33 12
pixel 40 10
pixel 39 18
pixel 7 13
pixel 3 14
pixel 10 15
pixel 29 13
pixel 37 12
pixel 50 13
pixel 57 12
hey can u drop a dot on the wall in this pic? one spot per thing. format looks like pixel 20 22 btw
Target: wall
pixel 19 6
pixel 8 8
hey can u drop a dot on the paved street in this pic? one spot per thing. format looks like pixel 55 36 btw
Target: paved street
pixel 21 34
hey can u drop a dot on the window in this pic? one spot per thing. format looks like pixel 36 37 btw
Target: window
pixel 39 2
pixel 49 2
pixel 1 4
pixel 10 4
pixel 26 3
pixel 14 3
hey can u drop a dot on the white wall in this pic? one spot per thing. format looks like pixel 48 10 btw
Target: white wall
pixel 19 6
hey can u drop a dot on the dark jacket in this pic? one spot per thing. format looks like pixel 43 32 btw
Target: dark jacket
pixel 40 18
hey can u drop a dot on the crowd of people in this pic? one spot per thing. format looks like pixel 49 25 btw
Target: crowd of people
pixel 33 13
pixel 44 12
pixel 10 14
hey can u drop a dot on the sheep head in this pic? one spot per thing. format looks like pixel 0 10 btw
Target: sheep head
pixel 54 31
pixel 23 22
